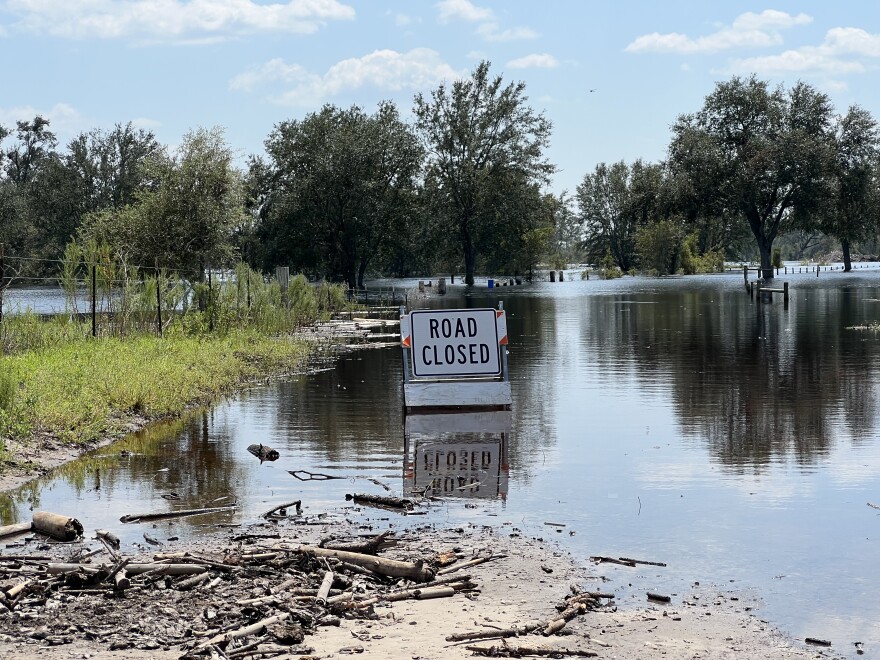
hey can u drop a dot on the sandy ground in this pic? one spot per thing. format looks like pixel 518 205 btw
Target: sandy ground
pixel 523 586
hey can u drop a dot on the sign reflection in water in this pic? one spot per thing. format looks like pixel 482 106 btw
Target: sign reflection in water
pixel 461 454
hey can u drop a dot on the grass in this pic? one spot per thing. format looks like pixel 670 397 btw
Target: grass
pixel 56 379
pixel 83 390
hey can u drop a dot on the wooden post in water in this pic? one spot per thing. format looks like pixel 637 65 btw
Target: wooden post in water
pixel 441 286
pixel 758 291
pixel 785 291
pixel 561 275
pixel 817 270
pixel 552 275
pixel 746 278
pixel 94 301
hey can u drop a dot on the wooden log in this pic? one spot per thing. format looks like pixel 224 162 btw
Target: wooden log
pixel 193 582
pixel 380 500
pixel 17 528
pixel 557 624
pixel 58 568
pixel 61 528
pixel 380 565
pixel 264 452
pixel 368 547
pixel 109 537
pixel 259 627
pixel 522 651
pixel 524 629
pixel 136 517
pixel 324 590
pixel 121 580
pixel 660 598
pixel 425 593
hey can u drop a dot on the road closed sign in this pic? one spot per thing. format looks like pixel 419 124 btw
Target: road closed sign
pixel 456 342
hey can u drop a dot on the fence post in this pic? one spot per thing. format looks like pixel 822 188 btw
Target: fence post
pixel 94 299
pixel 158 299
pixel 210 302
pixel 817 270
pixel 2 281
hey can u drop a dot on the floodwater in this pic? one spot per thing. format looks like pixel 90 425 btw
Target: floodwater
pixel 672 420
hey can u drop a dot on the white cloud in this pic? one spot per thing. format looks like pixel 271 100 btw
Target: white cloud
pixel 403 20
pixel 749 30
pixel 387 70
pixel 463 10
pixel 843 51
pixel 171 20
pixel 534 61
pixel 491 32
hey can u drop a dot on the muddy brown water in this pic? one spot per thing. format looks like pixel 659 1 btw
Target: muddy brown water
pixel 671 420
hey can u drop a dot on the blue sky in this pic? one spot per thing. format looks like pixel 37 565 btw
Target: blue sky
pixel 173 65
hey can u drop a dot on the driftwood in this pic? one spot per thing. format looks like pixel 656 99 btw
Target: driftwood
pixel 54 568
pixel 284 507
pixel 193 582
pixel 612 560
pixel 468 564
pixel 17 528
pixel 660 598
pixel 380 500
pixel 557 624
pixel 817 642
pixel 62 528
pixel 264 452
pixel 516 631
pixel 111 539
pixel 223 639
pixel 368 547
pixel 642 561
pixel 521 651
pixel 380 565
pixel 324 589
pixel 136 517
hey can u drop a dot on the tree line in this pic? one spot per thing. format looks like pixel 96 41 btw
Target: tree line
pixel 460 189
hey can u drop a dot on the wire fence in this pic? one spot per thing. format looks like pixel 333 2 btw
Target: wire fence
pixel 95 293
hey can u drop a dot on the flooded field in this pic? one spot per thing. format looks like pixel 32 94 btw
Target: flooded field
pixel 672 420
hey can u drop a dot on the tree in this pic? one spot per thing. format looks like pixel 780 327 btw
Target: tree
pixel 187 218
pixel 337 187
pixel 112 165
pixel 613 202
pixel 764 154
pixel 483 140
pixel 855 201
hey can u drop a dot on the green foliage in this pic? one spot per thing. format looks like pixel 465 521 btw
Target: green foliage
pixel 659 245
pixel 777 258
pixel 485 161
pixel 692 262
pixel 608 269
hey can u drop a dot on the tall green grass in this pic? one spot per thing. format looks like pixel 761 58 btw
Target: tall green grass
pixel 58 379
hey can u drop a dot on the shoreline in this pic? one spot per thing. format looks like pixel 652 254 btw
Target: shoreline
pixel 526 581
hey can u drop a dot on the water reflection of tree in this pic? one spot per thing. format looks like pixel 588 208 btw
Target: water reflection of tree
pixel 757 382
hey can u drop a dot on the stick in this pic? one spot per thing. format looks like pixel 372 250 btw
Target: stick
pixel 324 590
pixel 489 634
pixel 612 560
pixel 468 564
pixel 381 500
pixel 258 627
pixel 17 528
pixel 132 569
pixel 296 503
pixel 175 514
pixel 642 561
pixel 506 651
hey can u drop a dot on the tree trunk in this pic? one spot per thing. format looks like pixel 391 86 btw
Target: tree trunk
pixel 766 248
pixel 469 264
pixel 362 271
pixel 847 259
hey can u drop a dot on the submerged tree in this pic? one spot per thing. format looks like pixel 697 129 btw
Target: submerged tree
pixel 764 154
pixel 854 202
pixel 484 142
pixel 337 185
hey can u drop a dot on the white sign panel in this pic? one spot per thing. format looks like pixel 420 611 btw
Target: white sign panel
pixel 455 342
